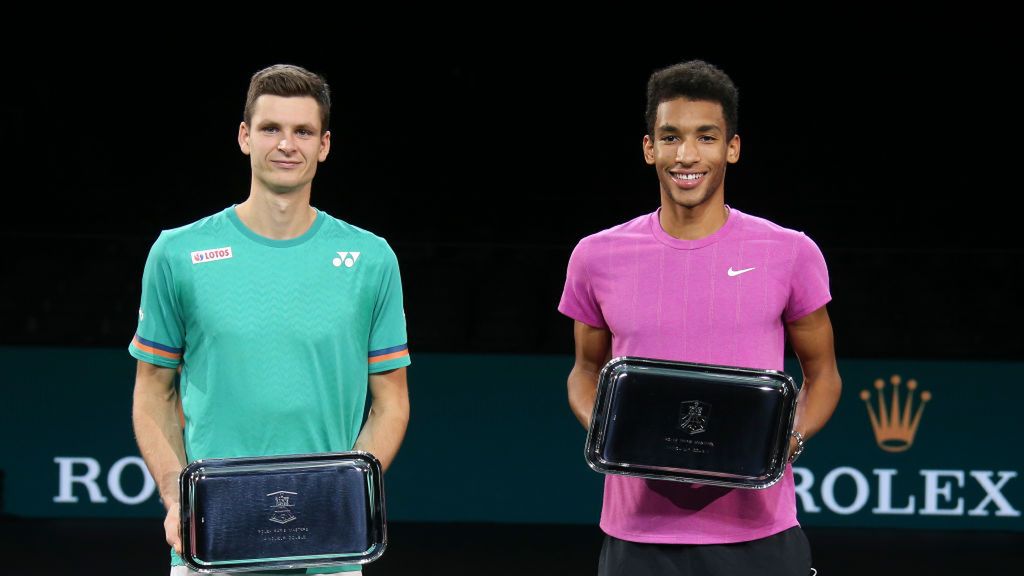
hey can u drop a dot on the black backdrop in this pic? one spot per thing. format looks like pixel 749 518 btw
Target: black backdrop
pixel 483 156
pixel 483 141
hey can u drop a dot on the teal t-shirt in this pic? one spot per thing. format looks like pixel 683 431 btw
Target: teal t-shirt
pixel 276 338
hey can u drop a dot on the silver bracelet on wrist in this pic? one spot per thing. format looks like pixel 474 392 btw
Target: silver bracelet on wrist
pixel 799 446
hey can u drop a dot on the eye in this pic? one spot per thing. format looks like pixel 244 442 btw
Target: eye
pixel 670 138
pixel 707 138
pixel 304 132
pixel 270 130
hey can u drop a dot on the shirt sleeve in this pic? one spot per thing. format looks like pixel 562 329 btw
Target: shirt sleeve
pixel 388 348
pixel 809 281
pixel 578 300
pixel 160 335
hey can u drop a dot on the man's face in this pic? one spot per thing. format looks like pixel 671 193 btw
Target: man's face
pixel 284 143
pixel 690 151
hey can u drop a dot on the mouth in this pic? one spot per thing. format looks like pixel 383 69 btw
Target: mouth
pixel 687 180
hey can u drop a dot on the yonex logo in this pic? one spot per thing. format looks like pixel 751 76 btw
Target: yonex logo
pixel 203 256
pixel 346 258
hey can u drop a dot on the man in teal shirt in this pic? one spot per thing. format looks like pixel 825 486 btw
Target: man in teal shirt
pixel 277 314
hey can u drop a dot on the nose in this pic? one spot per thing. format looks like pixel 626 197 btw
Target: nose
pixel 687 153
pixel 285 145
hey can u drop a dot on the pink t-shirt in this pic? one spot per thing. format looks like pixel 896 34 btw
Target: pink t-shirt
pixel 722 299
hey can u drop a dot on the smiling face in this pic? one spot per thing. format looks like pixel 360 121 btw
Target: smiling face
pixel 284 143
pixel 690 151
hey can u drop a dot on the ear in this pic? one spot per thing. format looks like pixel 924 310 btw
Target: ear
pixel 243 138
pixel 325 146
pixel 648 149
pixel 732 154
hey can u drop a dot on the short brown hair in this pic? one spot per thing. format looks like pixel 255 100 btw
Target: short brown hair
pixel 289 80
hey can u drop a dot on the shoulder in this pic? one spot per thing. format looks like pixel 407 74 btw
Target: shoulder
pixel 630 231
pixel 193 236
pixel 353 238
pixel 765 228
pixel 761 229
pixel 799 251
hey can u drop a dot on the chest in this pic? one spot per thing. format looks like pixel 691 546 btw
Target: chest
pixel 308 293
pixel 655 286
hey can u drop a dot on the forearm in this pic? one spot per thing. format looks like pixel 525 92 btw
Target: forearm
pixel 583 393
pixel 593 349
pixel 385 426
pixel 384 430
pixel 812 340
pixel 818 399
pixel 159 435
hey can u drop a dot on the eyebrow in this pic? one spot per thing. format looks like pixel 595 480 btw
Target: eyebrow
pixel 702 128
pixel 275 124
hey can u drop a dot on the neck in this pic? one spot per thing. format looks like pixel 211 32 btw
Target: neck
pixel 277 217
pixel 693 223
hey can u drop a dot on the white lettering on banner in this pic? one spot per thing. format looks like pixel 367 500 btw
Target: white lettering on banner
pixel 828 492
pixel 885 494
pixel 67 478
pixel 993 493
pixel 932 491
pixel 114 481
pixel 939 498
pixel 803 480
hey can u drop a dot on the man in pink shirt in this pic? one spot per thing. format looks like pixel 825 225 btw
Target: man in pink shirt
pixel 699 281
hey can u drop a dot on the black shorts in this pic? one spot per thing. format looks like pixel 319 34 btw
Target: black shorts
pixel 784 554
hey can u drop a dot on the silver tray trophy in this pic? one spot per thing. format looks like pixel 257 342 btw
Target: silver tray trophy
pixel 278 512
pixel 698 423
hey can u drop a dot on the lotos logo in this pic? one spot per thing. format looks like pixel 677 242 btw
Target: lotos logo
pixel 202 256
pixel 895 427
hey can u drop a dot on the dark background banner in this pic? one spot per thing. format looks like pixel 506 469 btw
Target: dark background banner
pixel 492 440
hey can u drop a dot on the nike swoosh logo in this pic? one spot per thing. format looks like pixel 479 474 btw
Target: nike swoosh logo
pixel 732 272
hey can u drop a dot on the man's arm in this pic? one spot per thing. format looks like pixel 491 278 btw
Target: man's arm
pixel 812 341
pixel 385 426
pixel 158 433
pixel 593 350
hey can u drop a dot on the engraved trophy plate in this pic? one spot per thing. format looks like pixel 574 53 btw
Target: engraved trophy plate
pixel 280 512
pixel 687 422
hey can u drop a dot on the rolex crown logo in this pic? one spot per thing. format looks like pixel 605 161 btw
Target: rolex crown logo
pixel 894 426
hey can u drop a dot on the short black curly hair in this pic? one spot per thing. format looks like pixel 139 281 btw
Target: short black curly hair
pixel 694 80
